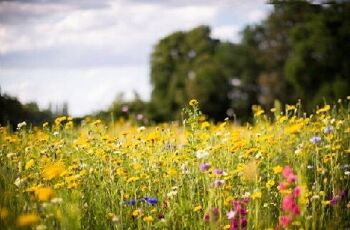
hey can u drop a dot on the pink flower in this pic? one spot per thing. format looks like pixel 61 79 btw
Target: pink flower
pixel 292 178
pixel 231 214
pixel 297 191
pixel 282 186
pixel 285 221
pixel 287 171
pixel 288 174
pixel 288 203
pixel 295 209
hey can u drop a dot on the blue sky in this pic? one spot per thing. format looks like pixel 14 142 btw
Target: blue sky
pixel 87 52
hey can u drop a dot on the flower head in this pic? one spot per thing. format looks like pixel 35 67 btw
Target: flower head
pixel 204 167
pixel 315 139
pixel 231 214
pixel 150 200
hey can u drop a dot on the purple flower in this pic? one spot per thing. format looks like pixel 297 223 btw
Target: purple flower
pixel 131 202
pixel 218 171
pixel 204 167
pixel 328 129
pixel 245 200
pixel 315 139
pixel 218 182
pixel 150 200
pixel 334 200
pixel 244 222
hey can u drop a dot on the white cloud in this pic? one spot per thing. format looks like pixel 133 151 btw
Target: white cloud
pixel 226 33
pixel 84 52
pixel 85 90
pixel 256 15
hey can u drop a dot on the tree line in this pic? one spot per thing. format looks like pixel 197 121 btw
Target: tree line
pixel 300 51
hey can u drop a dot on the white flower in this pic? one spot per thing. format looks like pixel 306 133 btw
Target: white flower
pixel 171 194
pixel 347 173
pixel 20 125
pixel 201 154
pixel 56 200
pixel 40 227
pixel 142 128
pixel 9 155
pixel 18 181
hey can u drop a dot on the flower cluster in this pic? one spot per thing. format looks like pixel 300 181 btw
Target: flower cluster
pixel 238 216
pixel 290 192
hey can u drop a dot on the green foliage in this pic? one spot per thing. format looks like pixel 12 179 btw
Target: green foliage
pixel 319 66
pixel 13 112
pixel 185 66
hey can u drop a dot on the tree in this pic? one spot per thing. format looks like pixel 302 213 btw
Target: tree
pixel 184 66
pixel 319 66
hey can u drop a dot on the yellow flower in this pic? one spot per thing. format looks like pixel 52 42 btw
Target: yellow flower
pixel 136 213
pixel 43 194
pixel 294 128
pixel 228 201
pixel 133 179
pixel 277 169
pixel 148 218
pixel 193 102
pixel 3 213
pixel 324 109
pixel 227 226
pixel 257 110
pixel 270 183
pixel 197 208
pixel 53 170
pixel 29 164
pixel 27 219
pixel 172 172
pixel 120 172
pixel 205 125
pixel 256 195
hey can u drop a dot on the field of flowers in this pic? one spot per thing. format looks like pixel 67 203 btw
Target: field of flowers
pixel 287 171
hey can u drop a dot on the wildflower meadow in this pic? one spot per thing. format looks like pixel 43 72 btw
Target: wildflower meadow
pixel 284 170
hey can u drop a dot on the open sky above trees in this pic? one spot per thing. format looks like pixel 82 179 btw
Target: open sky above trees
pixel 87 52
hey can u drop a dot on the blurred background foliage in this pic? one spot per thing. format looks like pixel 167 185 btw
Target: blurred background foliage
pixel 300 51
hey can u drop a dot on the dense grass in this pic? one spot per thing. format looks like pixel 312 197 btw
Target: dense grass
pixel 288 171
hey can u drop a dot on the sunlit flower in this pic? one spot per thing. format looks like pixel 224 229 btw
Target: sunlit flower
pixel 29 164
pixel 197 208
pixel 193 102
pixel 27 219
pixel 43 194
pixel 148 218
pixel 53 170
pixel 277 169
